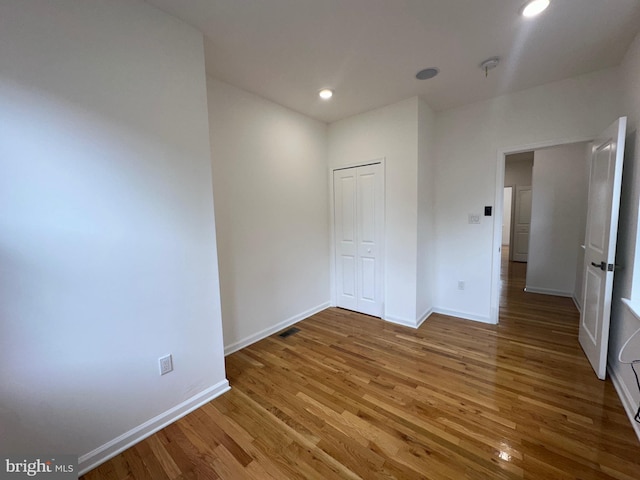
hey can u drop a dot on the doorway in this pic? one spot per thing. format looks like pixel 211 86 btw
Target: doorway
pixel 516 222
pixel 518 174
pixel 553 246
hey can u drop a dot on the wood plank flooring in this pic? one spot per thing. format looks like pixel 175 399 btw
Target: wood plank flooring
pixel 351 396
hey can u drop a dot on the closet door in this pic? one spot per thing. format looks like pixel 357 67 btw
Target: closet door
pixel 359 229
pixel 344 191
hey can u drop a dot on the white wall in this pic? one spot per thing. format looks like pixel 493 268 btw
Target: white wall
pixel 390 133
pixel 518 170
pixel 469 140
pixel 426 198
pixel 271 192
pixel 627 279
pixel 557 213
pixel 107 235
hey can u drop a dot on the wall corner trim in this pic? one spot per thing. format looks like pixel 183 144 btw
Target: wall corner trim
pixel 119 444
pixel 424 317
pixel 256 337
pixel 464 315
pixel 409 323
pixel 405 322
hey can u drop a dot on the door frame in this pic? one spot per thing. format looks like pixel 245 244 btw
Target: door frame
pixel 332 236
pixel 496 244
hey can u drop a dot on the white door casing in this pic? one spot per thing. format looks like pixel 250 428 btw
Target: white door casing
pixel 522 224
pixel 359 230
pixel 605 180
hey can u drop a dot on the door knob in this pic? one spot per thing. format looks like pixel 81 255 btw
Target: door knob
pixel 606 267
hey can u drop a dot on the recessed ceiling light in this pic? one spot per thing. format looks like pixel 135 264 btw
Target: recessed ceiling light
pixel 325 93
pixel 534 7
pixel 427 73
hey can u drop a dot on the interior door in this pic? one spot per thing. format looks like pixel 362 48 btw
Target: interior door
pixel 605 179
pixel 344 191
pixel 522 224
pixel 506 215
pixel 358 226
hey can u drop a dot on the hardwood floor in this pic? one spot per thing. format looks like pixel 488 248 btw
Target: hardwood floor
pixel 351 396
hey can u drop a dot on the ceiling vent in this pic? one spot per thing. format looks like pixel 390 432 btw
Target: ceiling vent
pixel 427 73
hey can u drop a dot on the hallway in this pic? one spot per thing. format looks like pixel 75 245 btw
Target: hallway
pixel 548 319
pixel 513 276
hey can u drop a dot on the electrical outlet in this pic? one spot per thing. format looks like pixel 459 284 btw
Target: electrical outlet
pixel 460 285
pixel 474 218
pixel 166 364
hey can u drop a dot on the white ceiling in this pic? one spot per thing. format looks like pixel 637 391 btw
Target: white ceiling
pixel 369 51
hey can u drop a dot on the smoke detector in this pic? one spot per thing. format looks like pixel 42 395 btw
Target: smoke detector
pixel 489 64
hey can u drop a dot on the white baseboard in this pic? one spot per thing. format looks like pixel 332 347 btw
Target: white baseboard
pixel 256 337
pixel 549 291
pixel 424 316
pixel 625 397
pixel 119 444
pixel 405 322
pixel 464 315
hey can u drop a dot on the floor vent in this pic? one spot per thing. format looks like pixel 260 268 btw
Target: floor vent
pixel 289 332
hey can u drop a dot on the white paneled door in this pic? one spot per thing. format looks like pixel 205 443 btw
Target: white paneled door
pixel 358 226
pixel 522 224
pixel 605 180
